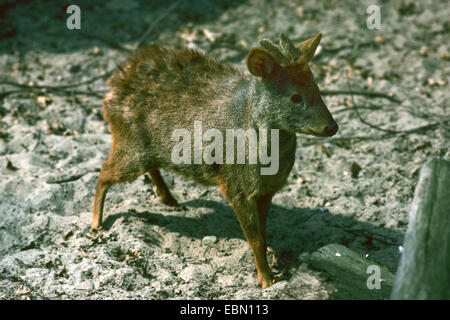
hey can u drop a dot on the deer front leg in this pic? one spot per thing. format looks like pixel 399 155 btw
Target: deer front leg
pixel 263 204
pixel 247 213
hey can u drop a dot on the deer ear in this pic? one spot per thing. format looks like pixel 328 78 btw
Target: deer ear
pixel 260 63
pixel 309 47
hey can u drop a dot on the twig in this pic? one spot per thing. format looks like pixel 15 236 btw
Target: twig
pixel 361 93
pixel 389 132
pixel 7 93
pixel 430 126
pixel 410 110
pixel 70 178
pixel 65 86
pixel 149 30
pixel 113 44
pixel 350 46
pixel 362 119
pixel 98 94
pixel 369 107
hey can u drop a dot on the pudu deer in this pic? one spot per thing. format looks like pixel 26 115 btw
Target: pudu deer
pixel 159 90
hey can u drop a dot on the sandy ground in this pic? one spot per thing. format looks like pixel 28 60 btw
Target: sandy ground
pixel 353 189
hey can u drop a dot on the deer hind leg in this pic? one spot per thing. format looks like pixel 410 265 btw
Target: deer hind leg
pixel 163 191
pixel 118 168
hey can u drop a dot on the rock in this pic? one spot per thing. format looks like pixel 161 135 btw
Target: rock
pixel 355 169
pixel 196 273
pixel 305 286
pixel 209 240
pixel 75 68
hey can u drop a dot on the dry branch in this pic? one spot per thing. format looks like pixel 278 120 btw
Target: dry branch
pixel 140 41
pixel 64 86
pixel 372 94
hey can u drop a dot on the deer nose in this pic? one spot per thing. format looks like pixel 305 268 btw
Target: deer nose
pixel 331 129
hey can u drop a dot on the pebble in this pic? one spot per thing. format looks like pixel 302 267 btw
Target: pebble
pixel 209 240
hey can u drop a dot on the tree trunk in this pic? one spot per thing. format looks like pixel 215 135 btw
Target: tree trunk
pixel 424 269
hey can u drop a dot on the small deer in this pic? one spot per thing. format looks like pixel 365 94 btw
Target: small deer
pixel 158 90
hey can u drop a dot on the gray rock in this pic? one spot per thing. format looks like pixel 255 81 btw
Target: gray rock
pixel 209 240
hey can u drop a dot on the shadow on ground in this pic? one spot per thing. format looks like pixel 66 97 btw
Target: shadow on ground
pixel 291 232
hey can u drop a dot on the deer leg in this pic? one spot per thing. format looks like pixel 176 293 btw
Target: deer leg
pixel 115 170
pixel 163 191
pixel 103 183
pixel 263 210
pixel 247 213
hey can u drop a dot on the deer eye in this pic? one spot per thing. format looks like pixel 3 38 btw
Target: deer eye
pixel 296 98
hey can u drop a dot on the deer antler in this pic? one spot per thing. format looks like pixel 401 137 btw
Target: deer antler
pixel 289 49
pixel 285 54
pixel 275 52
